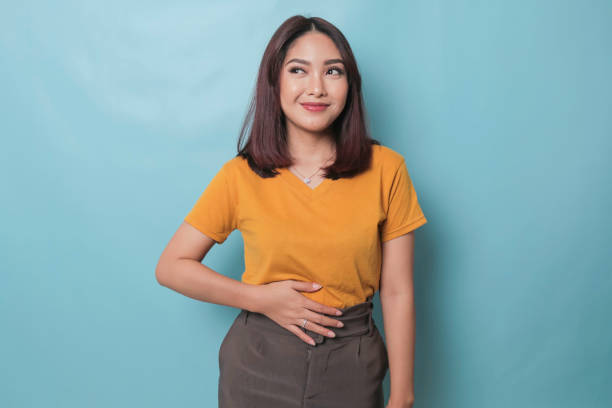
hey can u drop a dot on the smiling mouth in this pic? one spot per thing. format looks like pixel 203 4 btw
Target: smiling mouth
pixel 314 107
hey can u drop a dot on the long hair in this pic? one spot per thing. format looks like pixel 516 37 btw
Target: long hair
pixel 266 148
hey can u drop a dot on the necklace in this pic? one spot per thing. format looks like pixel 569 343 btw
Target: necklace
pixel 308 179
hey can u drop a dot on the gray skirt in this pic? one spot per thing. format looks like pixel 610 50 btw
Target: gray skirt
pixel 263 365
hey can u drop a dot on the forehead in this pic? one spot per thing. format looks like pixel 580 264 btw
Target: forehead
pixel 313 46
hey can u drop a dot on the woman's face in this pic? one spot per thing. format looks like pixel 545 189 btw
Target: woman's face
pixel 312 72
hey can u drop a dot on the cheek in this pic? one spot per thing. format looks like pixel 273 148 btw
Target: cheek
pixel 288 91
pixel 285 97
pixel 338 88
pixel 340 95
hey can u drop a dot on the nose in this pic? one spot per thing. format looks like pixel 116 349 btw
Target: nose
pixel 315 85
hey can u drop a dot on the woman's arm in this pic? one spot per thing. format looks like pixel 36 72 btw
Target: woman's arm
pixel 180 269
pixel 397 300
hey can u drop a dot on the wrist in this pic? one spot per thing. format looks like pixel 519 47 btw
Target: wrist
pixel 403 402
pixel 250 297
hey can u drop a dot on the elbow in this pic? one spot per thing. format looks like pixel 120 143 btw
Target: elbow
pixel 161 273
pixel 159 276
pixel 396 294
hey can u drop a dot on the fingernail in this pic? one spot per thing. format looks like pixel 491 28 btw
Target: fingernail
pixel 312 343
pixel 340 324
pixel 316 285
pixel 338 313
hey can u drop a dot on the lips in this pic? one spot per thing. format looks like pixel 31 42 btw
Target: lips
pixel 314 107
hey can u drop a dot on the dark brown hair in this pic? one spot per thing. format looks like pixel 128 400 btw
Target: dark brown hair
pixel 266 147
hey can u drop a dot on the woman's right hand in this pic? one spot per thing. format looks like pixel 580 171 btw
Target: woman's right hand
pixel 282 302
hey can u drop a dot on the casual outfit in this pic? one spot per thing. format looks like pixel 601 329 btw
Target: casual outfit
pixel 331 235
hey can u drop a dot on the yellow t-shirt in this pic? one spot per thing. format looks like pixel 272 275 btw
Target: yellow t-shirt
pixel 331 234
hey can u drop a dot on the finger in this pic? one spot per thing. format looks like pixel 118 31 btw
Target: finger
pixel 313 327
pixel 320 308
pixel 322 320
pixel 300 333
pixel 305 286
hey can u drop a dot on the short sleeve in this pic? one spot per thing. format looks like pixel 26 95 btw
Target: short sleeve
pixel 214 213
pixel 403 212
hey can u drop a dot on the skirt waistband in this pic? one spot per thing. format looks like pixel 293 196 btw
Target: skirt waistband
pixel 357 321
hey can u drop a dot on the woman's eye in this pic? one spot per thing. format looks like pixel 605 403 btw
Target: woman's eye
pixel 339 71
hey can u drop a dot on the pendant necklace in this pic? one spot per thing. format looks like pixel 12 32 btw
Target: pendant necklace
pixel 307 180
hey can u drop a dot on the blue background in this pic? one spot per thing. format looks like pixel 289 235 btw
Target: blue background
pixel 115 116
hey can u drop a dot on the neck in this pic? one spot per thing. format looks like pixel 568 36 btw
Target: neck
pixel 310 148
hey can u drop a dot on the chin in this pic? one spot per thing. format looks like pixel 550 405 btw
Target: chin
pixel 317 125
pixel 315 129
pixel 312 124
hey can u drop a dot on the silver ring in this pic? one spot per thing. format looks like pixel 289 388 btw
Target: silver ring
pixel 304 324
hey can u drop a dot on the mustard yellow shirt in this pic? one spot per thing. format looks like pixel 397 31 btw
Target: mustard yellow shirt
pixel 331 234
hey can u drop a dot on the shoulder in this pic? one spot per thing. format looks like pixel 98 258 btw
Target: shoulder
pixel 234 166
pixel 386 158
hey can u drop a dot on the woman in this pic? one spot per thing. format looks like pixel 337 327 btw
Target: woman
pixel 317 202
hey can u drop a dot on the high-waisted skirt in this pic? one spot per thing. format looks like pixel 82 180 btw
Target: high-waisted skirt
pixel 263 365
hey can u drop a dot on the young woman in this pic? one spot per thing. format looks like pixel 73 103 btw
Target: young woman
pixel 317 202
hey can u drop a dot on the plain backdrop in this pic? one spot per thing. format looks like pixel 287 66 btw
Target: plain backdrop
pixel 116 115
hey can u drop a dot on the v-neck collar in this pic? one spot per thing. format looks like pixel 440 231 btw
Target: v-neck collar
pixel 299 185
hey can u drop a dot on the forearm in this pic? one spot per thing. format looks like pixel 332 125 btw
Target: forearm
pixel 399 320
pixel 197 281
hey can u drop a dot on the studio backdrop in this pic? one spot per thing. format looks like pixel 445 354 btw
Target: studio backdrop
pixel 116 115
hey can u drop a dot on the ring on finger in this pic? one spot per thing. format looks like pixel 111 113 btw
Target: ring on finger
pixel 304 324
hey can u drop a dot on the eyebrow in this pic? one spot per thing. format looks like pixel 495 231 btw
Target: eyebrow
pixel 326 62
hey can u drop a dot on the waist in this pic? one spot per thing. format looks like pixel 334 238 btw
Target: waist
pixel 357 320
